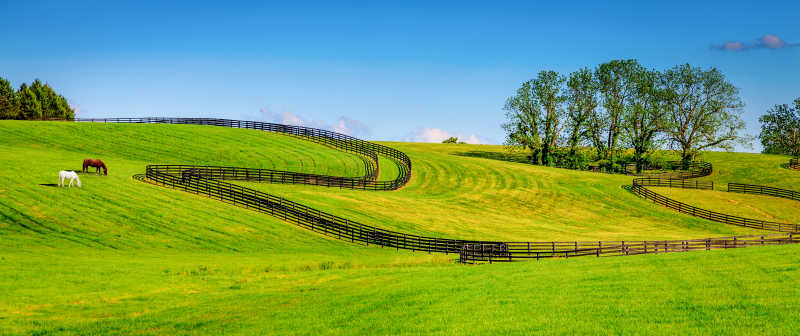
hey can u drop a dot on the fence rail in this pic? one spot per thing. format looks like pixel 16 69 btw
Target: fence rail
pixel 671 183
pixel 209 181
pixel 640 188
pixel 695 169
pixel 516 251
pixel 763 190
pixel 794 164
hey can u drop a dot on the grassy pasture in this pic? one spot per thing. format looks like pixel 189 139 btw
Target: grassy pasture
pixel 123 257
pixel 456 195
pixel 768 208
pixel 736 292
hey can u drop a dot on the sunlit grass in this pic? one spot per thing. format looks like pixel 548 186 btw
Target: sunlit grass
pixel 750 206
pixel 123 257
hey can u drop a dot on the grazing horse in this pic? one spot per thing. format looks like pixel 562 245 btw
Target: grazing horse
pixel 97 163
pixel 71 175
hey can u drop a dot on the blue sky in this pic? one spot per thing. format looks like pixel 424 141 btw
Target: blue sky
pixel 384 71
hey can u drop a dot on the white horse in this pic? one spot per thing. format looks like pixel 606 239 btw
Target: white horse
pixel 71 175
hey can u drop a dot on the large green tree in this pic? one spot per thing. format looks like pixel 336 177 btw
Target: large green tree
pixel 645 117
pixel 582 103
pixel 548 90
pixel 534 115
pixel 616 80
pixel 703 110
pixel 780 129
pixel 522 121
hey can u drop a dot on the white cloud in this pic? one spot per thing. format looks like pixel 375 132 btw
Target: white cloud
pixel 472 139
pixel 438 135
pixel 351 127
pixel 772 42
pixel 431 135
pixel 733 46
pixel 284 117
pixel 343 125
pixel 768 41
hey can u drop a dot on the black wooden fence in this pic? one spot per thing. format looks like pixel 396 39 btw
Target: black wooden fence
pixel 763 190
pixel 640 188
pixel 695 169
pixel 208 181
pixel 517 251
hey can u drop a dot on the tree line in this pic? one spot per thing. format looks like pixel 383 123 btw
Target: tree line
pixel 594 114
pixel 35 102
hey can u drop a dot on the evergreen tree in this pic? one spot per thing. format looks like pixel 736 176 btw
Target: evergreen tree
pixel 37 101
pixel 29 105
pixel 8 101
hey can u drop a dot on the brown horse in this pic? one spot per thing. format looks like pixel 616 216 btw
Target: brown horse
pixel 94 163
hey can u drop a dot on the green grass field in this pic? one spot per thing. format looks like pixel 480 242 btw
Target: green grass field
pixel 109 259
pixel 767 208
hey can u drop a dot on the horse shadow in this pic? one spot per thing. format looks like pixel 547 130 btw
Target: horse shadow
pixel 78 171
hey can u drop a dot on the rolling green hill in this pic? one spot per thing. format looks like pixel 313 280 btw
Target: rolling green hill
pixel 121 256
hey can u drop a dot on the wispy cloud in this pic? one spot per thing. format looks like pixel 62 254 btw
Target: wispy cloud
pixel 439 135
pixel 352 127
pixel 342 125
pixel 768 41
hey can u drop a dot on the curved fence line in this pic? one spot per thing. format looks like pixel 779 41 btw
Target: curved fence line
pixel 639 188
pixel 209 181
pixel 695 170
pixel 338 141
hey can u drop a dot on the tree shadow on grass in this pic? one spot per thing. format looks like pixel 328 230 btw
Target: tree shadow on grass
pixel 500 156
pixel 49 184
